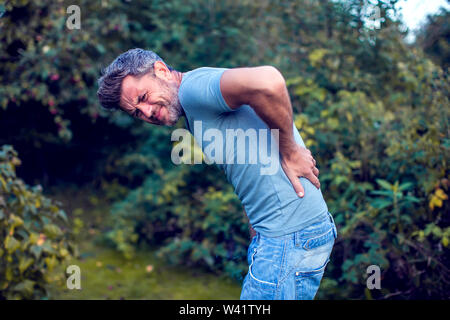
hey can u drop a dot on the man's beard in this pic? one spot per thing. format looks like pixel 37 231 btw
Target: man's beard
pixel 174 109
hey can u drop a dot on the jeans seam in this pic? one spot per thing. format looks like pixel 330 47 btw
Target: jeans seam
pixel 305 246
pixel 251 273
pixel 282 267
pixel 305 274
pixel 333 225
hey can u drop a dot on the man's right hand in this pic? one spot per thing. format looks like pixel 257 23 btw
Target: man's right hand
pixel 300 163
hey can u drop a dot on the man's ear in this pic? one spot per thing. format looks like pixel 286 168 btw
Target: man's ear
pixel 161 71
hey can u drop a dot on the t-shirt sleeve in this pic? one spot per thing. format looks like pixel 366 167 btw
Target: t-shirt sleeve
pixel 297 136
pixel 201 94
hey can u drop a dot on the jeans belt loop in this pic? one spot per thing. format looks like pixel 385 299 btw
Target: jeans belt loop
pixel 297 238
pixel 333 225
pixel 331 217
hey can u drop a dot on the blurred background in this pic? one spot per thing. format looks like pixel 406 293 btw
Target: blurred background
pixel 81 186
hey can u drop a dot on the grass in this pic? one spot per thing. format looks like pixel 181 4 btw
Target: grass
pixel 107 274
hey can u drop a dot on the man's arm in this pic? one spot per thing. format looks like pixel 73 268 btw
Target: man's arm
pixel 264 89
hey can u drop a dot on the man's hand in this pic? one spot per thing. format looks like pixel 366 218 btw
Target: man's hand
pixel 300 163
pixel 264 89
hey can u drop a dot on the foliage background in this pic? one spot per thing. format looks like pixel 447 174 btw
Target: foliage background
pixel 372 108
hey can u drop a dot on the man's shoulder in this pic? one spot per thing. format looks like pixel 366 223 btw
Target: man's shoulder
pixel 202 71
pixel 200 83
pixel 200 94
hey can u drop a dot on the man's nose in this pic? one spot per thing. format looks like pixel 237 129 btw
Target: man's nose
pixel 147 110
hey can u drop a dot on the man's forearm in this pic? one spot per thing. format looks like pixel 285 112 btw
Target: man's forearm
pixel 264 89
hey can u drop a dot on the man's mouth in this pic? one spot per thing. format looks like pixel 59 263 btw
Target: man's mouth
pixel 158 114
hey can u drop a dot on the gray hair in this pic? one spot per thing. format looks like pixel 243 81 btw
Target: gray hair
pixel 135 62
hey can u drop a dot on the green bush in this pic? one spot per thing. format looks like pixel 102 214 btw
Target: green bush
pixel 34 237
pixel 189 212
pixel 383 158
pixel 374 112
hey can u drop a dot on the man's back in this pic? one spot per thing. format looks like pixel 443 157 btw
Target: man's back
pixel 272 206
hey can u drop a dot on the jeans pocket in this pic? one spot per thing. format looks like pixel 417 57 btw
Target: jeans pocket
pixel 318 234
pixel 260 282
pixel 319 240
pixel 307 282
pixel 261 269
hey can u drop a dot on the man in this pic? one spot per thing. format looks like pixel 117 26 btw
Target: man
pixel 295 233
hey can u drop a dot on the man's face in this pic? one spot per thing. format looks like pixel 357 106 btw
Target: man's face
pixel 151 99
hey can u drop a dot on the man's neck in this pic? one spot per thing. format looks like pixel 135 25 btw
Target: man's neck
pixel 178 76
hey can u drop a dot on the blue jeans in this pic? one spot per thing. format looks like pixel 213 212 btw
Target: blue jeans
pixel 289 267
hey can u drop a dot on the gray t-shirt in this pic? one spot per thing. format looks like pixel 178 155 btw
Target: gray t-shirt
pixel 269 199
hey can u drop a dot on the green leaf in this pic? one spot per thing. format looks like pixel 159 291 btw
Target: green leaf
pixel 11 244
pixel 381 204
pixel 25 287
pixel 62 215
pixel 52 231
pixel 382 193
pixel 405 186
pixel 36 251
pixel 412 199
pixel 385 184
pixel 24 263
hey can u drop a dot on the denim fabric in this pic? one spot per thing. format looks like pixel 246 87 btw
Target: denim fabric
pixel 289 267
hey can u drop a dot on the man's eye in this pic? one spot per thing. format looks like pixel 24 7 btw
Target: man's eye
pixel 141 98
